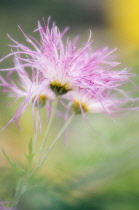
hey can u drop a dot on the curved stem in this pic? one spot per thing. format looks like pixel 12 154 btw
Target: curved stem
pixel 19 191
pixel 35 132
pixel 52 144
pixel 56 138
pixel 54 105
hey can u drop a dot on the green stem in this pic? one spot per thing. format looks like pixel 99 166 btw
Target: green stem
pixel 36 130
pixel 54 105
pixel 52 144
pixel 29 167
pixel 20 189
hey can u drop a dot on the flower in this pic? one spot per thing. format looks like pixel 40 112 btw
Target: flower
pixel 31 89
pixel 82 102
pixel 66 66
pixel 86 77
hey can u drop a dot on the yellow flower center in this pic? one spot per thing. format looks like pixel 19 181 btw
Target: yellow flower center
pixel 78 107
pixel 40 101
pixel 60 89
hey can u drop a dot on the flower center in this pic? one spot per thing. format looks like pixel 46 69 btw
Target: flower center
pixel 60 89
pixel 79 107
pixel 40 101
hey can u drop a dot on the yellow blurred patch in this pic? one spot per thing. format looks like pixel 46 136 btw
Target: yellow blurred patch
pixel 123 16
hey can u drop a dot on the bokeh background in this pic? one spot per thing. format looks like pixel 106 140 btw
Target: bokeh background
pixel 98 168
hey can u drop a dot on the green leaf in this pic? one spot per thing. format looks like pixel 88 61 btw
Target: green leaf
pixel 31 154
pixel 12 164
pixel 7 158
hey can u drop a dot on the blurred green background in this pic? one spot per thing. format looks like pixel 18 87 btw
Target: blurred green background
pixel 98 168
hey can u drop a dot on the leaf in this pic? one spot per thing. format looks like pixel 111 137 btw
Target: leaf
pixel 31 154
pixel 12 164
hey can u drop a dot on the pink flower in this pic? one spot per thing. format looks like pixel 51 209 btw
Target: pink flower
pixel 66 66
pixel 81 101
pixel 31 89
pixel 79 74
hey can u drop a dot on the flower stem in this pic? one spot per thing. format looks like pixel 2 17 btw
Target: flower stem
pixel 54 105
pixel 52 144
pixel 35 132
pixel 20 189
pixel 56 138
